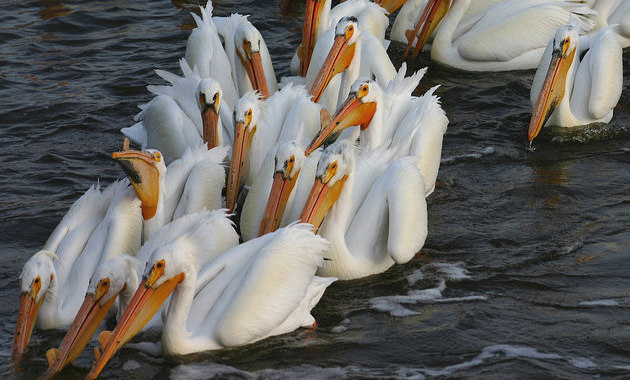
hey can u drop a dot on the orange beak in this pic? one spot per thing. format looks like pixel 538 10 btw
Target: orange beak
pixel 552 91
pixel 309 35
pixel 29 309
pixel 210 119
pixel 277 202
pixel 143 306
pixel 239 166
pixel 351 112
pixel 253 65
pixel 338 59
pixel 390 5
pixel 320 200
pixel 431 16
pixel 144 177
pixel 83 328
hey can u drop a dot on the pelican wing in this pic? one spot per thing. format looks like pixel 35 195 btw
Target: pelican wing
pixel 393 218
pixel 603 64
pixel 491 37
pixel 204 184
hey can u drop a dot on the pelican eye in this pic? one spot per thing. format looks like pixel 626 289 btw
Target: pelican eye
pixel 159 265
pixel 36 281
pixel 292 159
pixel 202 98
pixel 104 283
pixel 157 156
pixel 249 113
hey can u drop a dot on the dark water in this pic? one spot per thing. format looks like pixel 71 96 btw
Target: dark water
pixel 528 275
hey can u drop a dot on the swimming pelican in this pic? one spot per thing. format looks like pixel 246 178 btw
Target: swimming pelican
pixel 611 12
pixel 372 224
pixel 97 227
pixel 351 53
pixel 183 115
pixel 377 111
pixel 420 127
pixel 511 35
pixel 579 79
pixel 205 52
pixel 120 277
pixel 260 288
pixel 186 186
pixel 319 19
pixel 259 125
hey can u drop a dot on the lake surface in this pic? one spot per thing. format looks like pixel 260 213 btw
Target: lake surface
pixel 528 271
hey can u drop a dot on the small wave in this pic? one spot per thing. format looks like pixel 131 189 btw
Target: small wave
pixel 599 303
pixel 484 152
pixel 394 305
pixel 198 371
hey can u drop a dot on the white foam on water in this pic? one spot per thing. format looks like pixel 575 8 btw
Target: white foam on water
pixel 393 304
pixel 582 363
pixel 203 371
pixel 342 327
pixel 484 152
pixel 573 247
pixel 623 367
pixel 491 352
pixel 452 271
pixel 152 348
pixel 606 303
pixel 415 277
pixel 130 365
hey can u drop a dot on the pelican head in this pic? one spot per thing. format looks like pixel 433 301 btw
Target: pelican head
pixel 108 281
pixel 357 109
pixel 433 12
pixel 36 278
pixel 347 33
pixel 248 44
pixel 564 45
pixel 210 95
pixel 288 162
pixel 144 170
pixel 166 268
pixel 333 168
pixel 246 114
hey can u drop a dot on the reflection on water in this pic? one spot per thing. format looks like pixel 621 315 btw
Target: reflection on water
pixel 53 9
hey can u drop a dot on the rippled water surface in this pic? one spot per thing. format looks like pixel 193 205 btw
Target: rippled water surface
pixel 527 270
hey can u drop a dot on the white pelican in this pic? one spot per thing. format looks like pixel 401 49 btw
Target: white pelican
pixel 372 224
pixel 250 63
pixel 120 277
pixel 183 115
pixel 287 114
pixel 411 10
pixel 319 19
pixel 419 132
pixel 190 184
pixel 579 80
pixel 611 12
pixel 97 227
pixel 351 53
pixel 377 111
pixel 279 191
pixel 260 288
pixel 205 51
pixel 511 35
